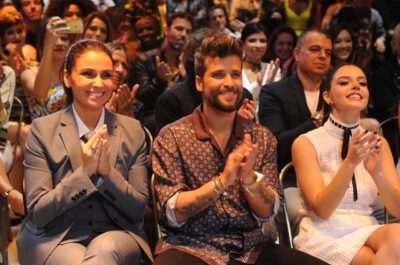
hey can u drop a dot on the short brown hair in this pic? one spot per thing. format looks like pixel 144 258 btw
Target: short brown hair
pixel 218 45
pixel 9 16
pixel 181 15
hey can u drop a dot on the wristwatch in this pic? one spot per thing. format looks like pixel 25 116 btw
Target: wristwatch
pixel 317 117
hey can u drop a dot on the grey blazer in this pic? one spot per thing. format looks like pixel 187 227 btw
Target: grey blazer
pixel 56 183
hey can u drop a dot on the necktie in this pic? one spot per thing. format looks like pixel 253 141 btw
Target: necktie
pixel 345 149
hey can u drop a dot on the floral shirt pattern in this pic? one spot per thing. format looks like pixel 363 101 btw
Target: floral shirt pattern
pixel 53 102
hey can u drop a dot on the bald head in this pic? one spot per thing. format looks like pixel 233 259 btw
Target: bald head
pixel 306 34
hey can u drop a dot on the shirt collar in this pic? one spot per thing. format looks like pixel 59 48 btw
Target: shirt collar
pixel 82 128
pixel 203 132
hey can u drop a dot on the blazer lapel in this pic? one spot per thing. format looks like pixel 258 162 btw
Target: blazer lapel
pixel 69 136
pixel 300 97
pixel 114 135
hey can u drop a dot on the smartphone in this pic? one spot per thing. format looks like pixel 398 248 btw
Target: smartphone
pixel 75 27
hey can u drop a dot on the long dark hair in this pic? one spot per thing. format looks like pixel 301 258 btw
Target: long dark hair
pixel 58 7
pixel 271 55
pixel 335 30
pixel 250 29
pixel 101 16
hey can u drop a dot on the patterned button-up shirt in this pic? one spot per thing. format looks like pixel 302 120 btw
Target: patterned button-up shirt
pixel 185 157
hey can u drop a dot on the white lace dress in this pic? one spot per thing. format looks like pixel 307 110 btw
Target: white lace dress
pixel 339 238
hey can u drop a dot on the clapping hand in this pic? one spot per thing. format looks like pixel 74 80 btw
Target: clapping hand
pixel 121 100
pixel 247 110
pixel 16 59
pixel 362 144
pixel 126 97
pixel 250 152
pixel 96 153
pixel 163 70
pixel 373 162
pixel 240 163
pixel 272 70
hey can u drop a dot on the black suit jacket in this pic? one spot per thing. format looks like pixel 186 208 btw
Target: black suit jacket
pixel 385 95
pixel 283 109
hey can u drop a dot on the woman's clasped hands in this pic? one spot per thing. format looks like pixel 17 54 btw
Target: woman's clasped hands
pixel 365 146
pixel 96 154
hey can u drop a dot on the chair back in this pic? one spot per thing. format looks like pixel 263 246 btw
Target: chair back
pixel 156 207
pixel 285 234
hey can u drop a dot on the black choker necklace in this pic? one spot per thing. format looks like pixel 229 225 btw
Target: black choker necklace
pixel 342 126
pixel 345 149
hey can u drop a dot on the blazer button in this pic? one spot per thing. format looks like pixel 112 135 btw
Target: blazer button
pixel 90 223
pixel 90 206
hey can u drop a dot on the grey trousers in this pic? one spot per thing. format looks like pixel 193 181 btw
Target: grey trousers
pixel 112 247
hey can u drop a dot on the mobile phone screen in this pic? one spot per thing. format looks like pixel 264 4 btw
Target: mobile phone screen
pixel 75 27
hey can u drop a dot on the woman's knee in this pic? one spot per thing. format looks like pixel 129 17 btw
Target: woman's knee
pixel 387 235
pixel 115 247
pixel 392 236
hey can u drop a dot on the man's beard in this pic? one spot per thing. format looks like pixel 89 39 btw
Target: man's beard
pixel 176 48
pixel 215 102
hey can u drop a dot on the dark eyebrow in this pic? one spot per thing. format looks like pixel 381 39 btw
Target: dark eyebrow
pixel 348 77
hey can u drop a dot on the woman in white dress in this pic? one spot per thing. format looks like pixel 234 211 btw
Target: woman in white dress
pixel 337 192
pixel 256 73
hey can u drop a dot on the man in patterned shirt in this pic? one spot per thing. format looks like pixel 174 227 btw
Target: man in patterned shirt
pixel 216 173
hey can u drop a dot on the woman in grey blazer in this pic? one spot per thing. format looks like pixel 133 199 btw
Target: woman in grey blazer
pixel 86 176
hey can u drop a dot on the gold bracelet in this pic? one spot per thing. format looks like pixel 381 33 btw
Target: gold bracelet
pixel 220 183
pixel 216 188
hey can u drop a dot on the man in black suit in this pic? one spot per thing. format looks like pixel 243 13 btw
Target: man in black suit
pixel 293 105
pixel 385 93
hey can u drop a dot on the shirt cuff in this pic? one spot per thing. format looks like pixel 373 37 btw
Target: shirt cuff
pixel 276 205
pixel 170 211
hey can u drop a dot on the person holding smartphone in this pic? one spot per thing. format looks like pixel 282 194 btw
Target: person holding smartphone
pixel 42 85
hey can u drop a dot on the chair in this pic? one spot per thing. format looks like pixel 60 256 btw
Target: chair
pixel 387 217
pixel 149 141
pixel 388 120
pixel 287 178
pixel 156 207
pixel 292 205
pixel 390 129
